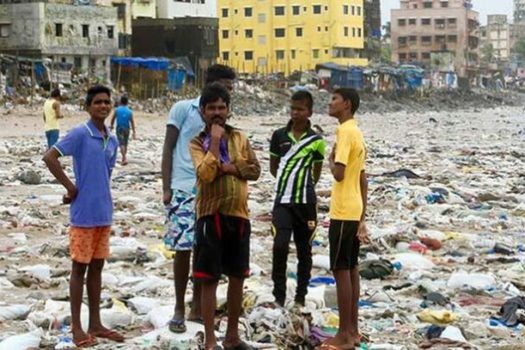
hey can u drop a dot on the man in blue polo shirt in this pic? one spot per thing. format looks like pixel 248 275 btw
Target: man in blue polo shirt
pixel 178 180
pixel 94 152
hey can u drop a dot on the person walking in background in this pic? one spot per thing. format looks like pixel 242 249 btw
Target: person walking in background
pixel 51 116
pixel 124 117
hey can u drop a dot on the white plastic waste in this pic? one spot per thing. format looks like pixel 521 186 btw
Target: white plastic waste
pixel 30 340
pixel 321 261
pixel 464 280
pixel 13 312
pixel 414 261
pixel 453 333
pixel 41 271
pixel 143 305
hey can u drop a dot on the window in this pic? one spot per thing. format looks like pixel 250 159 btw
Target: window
pixel 401 22
pixel 425 55
pixel 353 10
pixel 358 10
pixel 236 32
pixel 426 40
pixel 440 23
pixel 292 54
pixel 111 32
pixel 248 55
pixel 452 38
pixel 77 62
pixel 225 13
pixel 226 55
pixel 58 29
pixel 280 32
pixel 225 34
pixel 325 29
pixel 85 31
pixel 359 32
pixel 248 12
pixel 427 4
pixel 345 31
pixel 279 10
pixel 123 41
pixel 412 21
pixel 345 9
pixel 248 33
pixel 402 40
pixel 262 39
pixel 261 18
pixel 296 10
pixel 425 21
pixel 440 39
pixel 121 10
pixel 452 22
pixel 444 4
pixel 5 30
pixel 402 56
pixel 353 32
pixel 317 9
pixel 298 32
pixel 412 38
pixel 318 29
pixel 412 55
pixel 315 53
pixel 279 54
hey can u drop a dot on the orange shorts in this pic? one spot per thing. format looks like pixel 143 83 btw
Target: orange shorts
pixel 90 243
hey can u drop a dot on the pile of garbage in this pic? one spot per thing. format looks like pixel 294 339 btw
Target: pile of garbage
pixel 445 268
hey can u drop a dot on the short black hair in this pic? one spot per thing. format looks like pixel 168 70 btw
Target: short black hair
pixel 95 90
pixel 303 95
pixel 349 94
pixel 212 93
pixel 124 100
pixel 55 93
pixel 217 72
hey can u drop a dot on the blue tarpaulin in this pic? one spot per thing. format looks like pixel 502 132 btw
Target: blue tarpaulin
pixel 176 78
pixel 343 76
pixel 151 63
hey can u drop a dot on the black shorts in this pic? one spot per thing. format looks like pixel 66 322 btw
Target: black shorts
pixel 222 246
pixel 344 244
pixel 123 136
pixel 290 216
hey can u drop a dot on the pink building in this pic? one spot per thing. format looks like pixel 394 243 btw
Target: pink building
pixel 422 29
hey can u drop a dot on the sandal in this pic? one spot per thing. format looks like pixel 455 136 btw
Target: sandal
pixel 177 326
pixel 86 343
pixel 110 335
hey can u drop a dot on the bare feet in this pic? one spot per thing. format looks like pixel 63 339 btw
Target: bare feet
pixel 339 342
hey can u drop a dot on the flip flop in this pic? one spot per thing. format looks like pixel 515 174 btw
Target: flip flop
pixel 86 343
pixel 177 326
pixel 241 346
pixel 111 335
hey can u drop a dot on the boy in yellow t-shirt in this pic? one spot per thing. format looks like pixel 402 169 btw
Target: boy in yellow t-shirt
pixel 347 214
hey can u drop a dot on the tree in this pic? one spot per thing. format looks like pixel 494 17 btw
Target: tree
pixel 386 53
pixel 487 53
pixel 386 30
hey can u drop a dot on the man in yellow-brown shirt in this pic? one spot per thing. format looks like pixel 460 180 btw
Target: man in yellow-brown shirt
pixel 347 215
pixel 224 162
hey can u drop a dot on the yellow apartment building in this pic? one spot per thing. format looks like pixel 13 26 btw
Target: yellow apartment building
pixel 269 36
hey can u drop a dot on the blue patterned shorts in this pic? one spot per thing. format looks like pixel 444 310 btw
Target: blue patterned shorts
pixel 180 221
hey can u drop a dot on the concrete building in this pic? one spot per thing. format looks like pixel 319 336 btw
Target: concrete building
pixel 445 28
pixel 497 33
pixel 192 37
pixel 286 35
pixel 144 9
pixel 84 36
pixel 372 23
pixel 186 8
pixel 123 25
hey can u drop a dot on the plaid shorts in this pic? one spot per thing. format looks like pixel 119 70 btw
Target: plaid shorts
pixel 180 221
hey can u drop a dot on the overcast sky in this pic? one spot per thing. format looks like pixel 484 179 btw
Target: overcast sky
pixel 484 7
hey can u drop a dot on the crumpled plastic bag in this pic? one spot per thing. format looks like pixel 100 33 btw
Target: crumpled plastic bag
pixel 437 317
pixel 30 340
pixel 14 312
